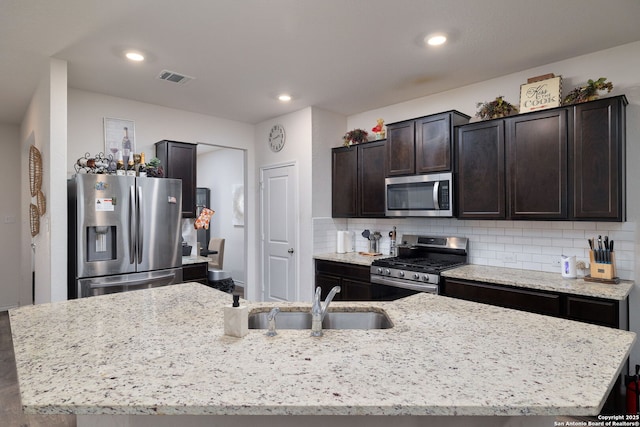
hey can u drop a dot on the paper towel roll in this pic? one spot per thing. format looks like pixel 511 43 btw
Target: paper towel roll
pixel 340 248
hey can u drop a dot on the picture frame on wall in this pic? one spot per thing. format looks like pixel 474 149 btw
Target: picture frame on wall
pixel 119 138
pixel 540 94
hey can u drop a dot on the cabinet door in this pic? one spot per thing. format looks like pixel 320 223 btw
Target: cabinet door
pixel 433 144
pixel 401 149
pixel 536 149
pixel 344 182
pixel 598 165
pixel 327 283
pixel 179 160
pixel 356 291
pixel 481 183
pixel 371 175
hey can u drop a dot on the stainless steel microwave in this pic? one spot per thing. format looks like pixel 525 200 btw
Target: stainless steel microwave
pixel 420 195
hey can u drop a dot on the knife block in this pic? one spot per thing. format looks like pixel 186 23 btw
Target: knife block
pixel 603 271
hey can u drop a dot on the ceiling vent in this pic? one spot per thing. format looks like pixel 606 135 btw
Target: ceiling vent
pixel 174 77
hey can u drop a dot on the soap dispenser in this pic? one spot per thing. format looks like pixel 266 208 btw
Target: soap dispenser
pixel 236 319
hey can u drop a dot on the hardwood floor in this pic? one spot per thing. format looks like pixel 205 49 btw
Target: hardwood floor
pixel 11 414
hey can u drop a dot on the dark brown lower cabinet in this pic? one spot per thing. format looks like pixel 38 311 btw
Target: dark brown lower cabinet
pixel 195 273
pixel 353 280
pixel 520 299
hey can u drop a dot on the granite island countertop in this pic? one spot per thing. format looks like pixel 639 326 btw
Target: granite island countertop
pixel 163 351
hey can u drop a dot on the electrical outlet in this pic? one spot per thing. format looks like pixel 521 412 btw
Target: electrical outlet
pixel 556 262
pixel 510 257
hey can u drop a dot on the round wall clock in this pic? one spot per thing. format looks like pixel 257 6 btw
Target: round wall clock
pixel 276 138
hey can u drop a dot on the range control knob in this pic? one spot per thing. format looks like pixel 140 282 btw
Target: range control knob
pixel 387 271
pixel 379 270
pixel 401 274
pixel 416 276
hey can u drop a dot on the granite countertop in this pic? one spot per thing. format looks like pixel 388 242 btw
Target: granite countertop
pixel 350 257
pixel 540 280
pixel 194 259
pixel 162 351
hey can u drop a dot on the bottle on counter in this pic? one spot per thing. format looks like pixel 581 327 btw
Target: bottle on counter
pixel 142 167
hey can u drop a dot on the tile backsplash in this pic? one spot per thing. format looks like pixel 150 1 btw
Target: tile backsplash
pixel 528 245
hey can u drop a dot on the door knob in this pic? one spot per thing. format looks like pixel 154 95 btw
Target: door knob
pixel 290 250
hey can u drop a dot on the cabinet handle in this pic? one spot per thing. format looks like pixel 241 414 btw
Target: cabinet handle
pixel 290 250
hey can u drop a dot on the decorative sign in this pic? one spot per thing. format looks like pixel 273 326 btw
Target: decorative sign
pixel 541 95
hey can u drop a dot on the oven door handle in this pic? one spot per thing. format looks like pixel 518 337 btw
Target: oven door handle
pixel 426 287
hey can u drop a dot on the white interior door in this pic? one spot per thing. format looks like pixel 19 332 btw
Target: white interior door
pixel 279 233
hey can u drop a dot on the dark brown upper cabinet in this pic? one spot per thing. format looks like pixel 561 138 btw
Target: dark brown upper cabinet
pixel 598 160
pixel 357 180
pixel 480 167
pixel 536 153
pixel 422 145
pixel 179 161
pixel 562 163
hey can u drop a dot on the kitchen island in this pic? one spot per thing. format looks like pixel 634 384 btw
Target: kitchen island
pixel 124 359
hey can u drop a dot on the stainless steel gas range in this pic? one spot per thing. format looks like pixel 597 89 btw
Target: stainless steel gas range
pixel 419 263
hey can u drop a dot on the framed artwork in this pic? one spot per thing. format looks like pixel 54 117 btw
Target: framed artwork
pixel 119 138
pixel 541 94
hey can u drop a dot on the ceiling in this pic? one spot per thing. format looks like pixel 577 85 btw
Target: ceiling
pixel 345 56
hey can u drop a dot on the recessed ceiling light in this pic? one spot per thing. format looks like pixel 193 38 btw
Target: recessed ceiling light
pixel 284 97
pixel 134 56
pixel 435 39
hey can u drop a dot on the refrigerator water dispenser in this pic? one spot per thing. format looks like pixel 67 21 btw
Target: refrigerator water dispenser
pixel 101 243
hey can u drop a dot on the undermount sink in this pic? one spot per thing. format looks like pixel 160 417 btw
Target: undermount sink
pixel 332 320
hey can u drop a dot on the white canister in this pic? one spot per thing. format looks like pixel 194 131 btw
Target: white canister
pixel 340 240
pixel 568 265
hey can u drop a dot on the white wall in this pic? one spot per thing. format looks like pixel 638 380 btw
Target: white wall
pixel 221 171
pixel 297 150
pixel 536 245
pixel 152 124
pixel 11 216
pixel 45 127
pixel 328 130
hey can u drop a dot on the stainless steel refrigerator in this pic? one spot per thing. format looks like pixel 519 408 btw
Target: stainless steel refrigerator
pixel 124 233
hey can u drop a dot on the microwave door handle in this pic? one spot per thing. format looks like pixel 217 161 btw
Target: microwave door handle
pixel 140 234
pixel 436 191
pixel 132 242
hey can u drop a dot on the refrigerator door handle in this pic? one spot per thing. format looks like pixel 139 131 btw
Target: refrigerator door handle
pixel 132 231
pixel 140 214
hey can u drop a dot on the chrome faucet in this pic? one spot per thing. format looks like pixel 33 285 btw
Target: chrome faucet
pixel 318 310
pixel 272 322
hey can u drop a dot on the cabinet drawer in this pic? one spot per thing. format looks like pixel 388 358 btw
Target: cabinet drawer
pixel 598 312
pixel 520 299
